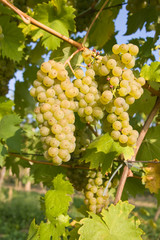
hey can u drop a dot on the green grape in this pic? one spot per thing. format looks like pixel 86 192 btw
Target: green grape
pixel 123 48
pixel 103 70
pixel 126 58
pixel 111 63
pixel 44 131
pixel 114 81
pixel 115 49
pixel 117 71
pixel 111 118
pixel 123 138
pixel 117 125
pixel 115 135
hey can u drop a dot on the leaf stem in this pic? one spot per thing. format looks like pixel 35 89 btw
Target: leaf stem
pixel 27 19
pixel 138 144
pixel 92 23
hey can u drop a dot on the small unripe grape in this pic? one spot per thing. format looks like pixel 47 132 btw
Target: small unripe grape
pixel 89 194
pixel 98 181
pixel 90 72
pixel 115 49
pixel 40 118
pixel 123 138
pixel 132 139
pixel 111 118
pixel 56 129
pixel 133 50
pixel 44 131
pixel 117 71
pixel 103 70
pixel 77 83
pixel 79 73
pixel 48 82
pixel 33 92
pixel 115 135
pixel 86 53
pixel 123 48
pixel 54 143
pixel 52 152
pixel 141 80
pixel 57 160
pixel 126 58
pixel 111 63
pixel 45 67
pixel 52 73
pixel 62 75
pixel 119 102
pixel 117 125
pixel 130 100
pixel 114 81
pixel 89 97
pixel 41 97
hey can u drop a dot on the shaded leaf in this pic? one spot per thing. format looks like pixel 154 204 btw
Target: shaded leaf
pixel 11 44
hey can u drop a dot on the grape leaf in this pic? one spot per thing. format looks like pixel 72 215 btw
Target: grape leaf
pixel 3 152
pixel 103 150
pixel 99 34
pixel 45 174
pixel 150 147
pixel 151 72
pixel 113 225
pixel 143 105
pixel 14 142
pixel 56 15
pixel 139 18
pixel 11 44
pixel 33 231
pixel 57 200
pixel 133 186
pixel 9 125
pixel 22 98
pixel 5 106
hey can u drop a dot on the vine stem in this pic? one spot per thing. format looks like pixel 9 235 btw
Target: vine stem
pixel 92 23
pixel 45 163
pixel 92 130
pixel 142 134
pixel 27 20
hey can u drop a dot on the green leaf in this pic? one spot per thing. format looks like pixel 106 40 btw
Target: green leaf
pixel 3 152
pixel 56 15
pixel 113 225
pixel 103 150
pixel 133 186
pixel 14 142
pixel 33 231
pixel 150 147
pixel 57 200
pixel 45 174
pixel 151 72
pixel 11 44
pixel 100 34
pixel 139 18
pixel 9 125
pixel 5 106
pixel 46 231
pixel 143 105
pixel 22 98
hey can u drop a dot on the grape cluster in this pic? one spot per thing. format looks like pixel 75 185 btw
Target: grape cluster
pixel 78 178
pixel 88 108
pixel 94 190
pixel 115 89
pixel 54 92
pixel 7 69
pixel 1 33
pixel 83 139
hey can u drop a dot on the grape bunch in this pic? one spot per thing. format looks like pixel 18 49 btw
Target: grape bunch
pixel 94 190
pixel 7 69
pixel 54 113
pixel 1 33
pixel 88 108
pixel 78 178
pixel 83 139
pixel 115 89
